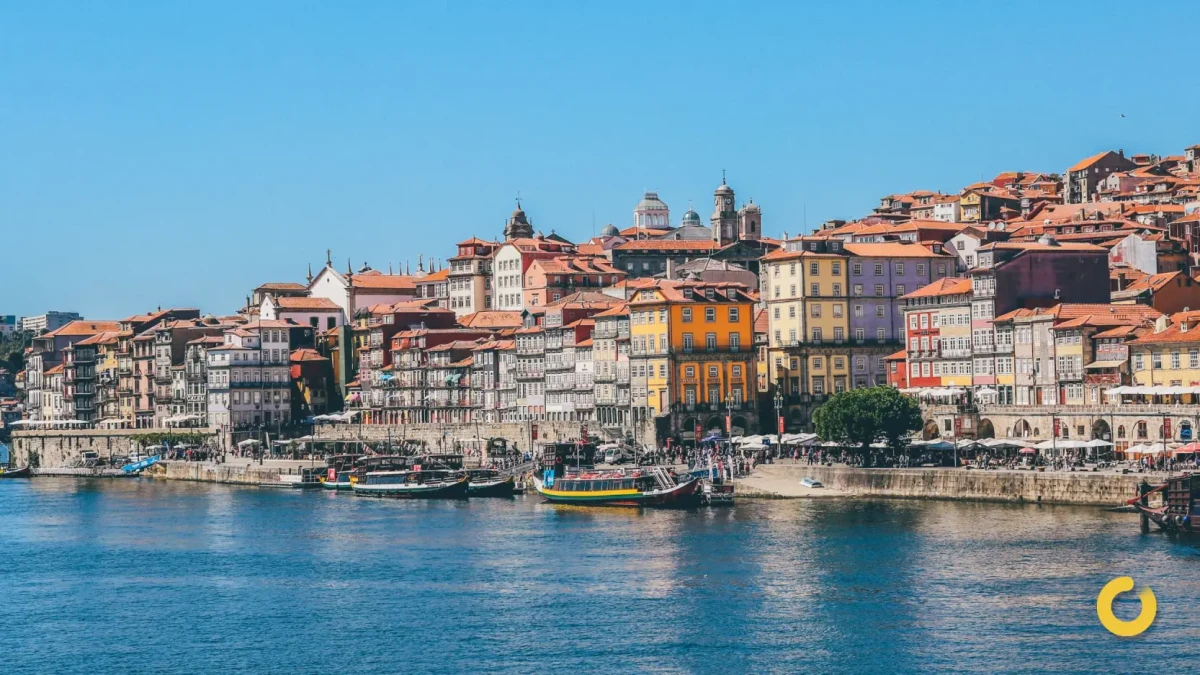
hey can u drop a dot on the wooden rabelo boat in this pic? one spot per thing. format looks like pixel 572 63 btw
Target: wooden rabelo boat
pixel 422 484
pixel 569 477
pixel 1179 512
pixel 338 472
pixel 490 483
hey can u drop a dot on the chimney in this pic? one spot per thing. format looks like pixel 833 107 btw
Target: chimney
pixel 1160 324
pixel 670 268
pixel 1121 152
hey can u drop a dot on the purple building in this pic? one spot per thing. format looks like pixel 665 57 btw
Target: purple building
pixel 878 274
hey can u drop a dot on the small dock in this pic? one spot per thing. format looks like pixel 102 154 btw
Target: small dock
pixel 81 472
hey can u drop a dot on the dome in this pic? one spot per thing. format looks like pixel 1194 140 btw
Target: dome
pixel 518 215
pixel 752 206
pixel 724 190
pixel 651 202
pixel 691 218
pixel 609 230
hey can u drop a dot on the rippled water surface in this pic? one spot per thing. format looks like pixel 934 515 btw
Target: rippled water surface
pixel 141 576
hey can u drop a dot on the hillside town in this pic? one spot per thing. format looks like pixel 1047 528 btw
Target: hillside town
pixel 1033 305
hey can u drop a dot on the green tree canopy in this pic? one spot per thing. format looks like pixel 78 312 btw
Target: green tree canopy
pixel 863 416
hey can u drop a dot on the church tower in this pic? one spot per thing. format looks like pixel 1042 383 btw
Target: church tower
pixel 724 218
pixel 518 226
pixel 750 221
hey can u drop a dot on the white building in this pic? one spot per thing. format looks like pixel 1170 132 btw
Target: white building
pixel 50 321
pixel 948 211
pixel 357 291
pixel 249 380
pixel 320 313
pixel 1137 252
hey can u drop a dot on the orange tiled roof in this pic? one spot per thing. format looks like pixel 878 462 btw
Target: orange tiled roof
pixel 898 356
pixel 305 354
pixel 1065 311
pixel 1089 161
pixel 433 277
pixel 943 286
pixel 281 286
pixel 892 250
pixel 305 303
pixel 491 318
pixel 85 327
pixel 1173 333
pixel 376 281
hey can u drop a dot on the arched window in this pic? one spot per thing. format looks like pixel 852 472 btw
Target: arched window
pixel 1037 432
pixel 1141 429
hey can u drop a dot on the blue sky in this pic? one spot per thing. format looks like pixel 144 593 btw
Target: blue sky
pixel 182 153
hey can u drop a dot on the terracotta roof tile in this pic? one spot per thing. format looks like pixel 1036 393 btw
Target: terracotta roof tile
pixel 305 303
pixel 943 286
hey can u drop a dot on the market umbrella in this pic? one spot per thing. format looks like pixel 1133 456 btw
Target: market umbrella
pixel 1028 451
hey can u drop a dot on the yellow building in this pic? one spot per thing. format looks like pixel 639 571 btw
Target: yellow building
pixel 693 343
pixel 1169 356
pixel 806 298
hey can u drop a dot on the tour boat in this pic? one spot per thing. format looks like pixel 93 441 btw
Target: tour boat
pixel 716 494
pixel 339 469
pixel 1180 509
pixel 653 487
pixel 490 483
pixel 430 484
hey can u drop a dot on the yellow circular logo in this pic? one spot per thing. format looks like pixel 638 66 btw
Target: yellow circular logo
pixel 1109 620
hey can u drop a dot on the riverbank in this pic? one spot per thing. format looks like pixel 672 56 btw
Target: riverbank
pixel 1084 488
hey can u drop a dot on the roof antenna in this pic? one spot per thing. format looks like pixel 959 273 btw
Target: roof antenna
pixel 722 176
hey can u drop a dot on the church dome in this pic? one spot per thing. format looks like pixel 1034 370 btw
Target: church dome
pixel 651 202
pixel 752 206
pixel 609 230
pixel 724 189
pixel 691 218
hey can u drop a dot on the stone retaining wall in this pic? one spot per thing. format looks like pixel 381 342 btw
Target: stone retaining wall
pixel 206 472
pixel 61 447
pixel 442 436
pixel 1009 486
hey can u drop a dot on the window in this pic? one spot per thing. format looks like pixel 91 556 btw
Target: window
pixel 880 310
pixel 881 334
pixel 878 269
pixel 710 341
pixel 837 290
pixel 662 370
pixel 1156 360
pixel 712 371
pixel 815 310
pixel 814 269
pixel 687 342
pixel 735 342
pixel 860 334
pixel 816 334
pixel 837 310
pixel 1175 360
pixel 818 363
pixel 858 311
pixel 899 289
pixel 912 320
pixel 733 315
pixel 687 314
pixel 899 268
pixel 879 290
pixel 791 311
pixel 858 289
pixel 791 269
pixel 836 268
pixel 920 269
pixel 776 312
pixel 710 314
pixel 856 269
pixel 793 290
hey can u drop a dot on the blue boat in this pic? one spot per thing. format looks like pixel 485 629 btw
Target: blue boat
pixel 135 467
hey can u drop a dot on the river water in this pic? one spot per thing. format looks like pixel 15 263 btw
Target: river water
pixel 144 576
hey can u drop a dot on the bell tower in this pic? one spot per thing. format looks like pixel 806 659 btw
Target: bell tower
pixel 724 218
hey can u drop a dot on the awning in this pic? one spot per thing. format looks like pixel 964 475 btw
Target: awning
pixel 1098 365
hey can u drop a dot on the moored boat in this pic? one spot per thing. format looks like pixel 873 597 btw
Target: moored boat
pixel 23 472
pixel 430 484
pixel 1180 507
pixel 615 488
pixel 338 472
pixel 490 483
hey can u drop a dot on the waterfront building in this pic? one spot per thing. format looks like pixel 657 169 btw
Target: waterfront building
pixel 45 354
pixel 1168 292
pixel 485 380
pixel 130 384
pixel 1021 274
pixel 81 379
pixel 373 333
pixel 319 312
pixel 249 376
pixel 170 339
pixel 610 366
pixel 692 342
pixel 550 280
pixel 1083 179
pixel 408 385
pixel 194 408
pixel 937 318
pixel 471 276
pixel 313 390
pixel 447 392
pixel 107 401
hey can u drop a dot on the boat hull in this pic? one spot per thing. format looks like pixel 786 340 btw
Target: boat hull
pixel 23 472
pixel 1168 522
pixel 684 495
pixel 505 487
pixel 336 485
pixel 456 490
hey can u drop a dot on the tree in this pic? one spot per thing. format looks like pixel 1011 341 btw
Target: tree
pixel 863 416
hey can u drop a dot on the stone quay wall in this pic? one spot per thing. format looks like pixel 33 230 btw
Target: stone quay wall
pixel 55 448
pixel 1106 489
pixel 207 472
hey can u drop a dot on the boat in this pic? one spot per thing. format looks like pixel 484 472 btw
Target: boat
pixel 306 478
pixel 1180 507
pixel 338 471
pixel 714 493
pixel 490 483
pixel 810 482
pixel 23 472
pixel 417 484
pixel 569 477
